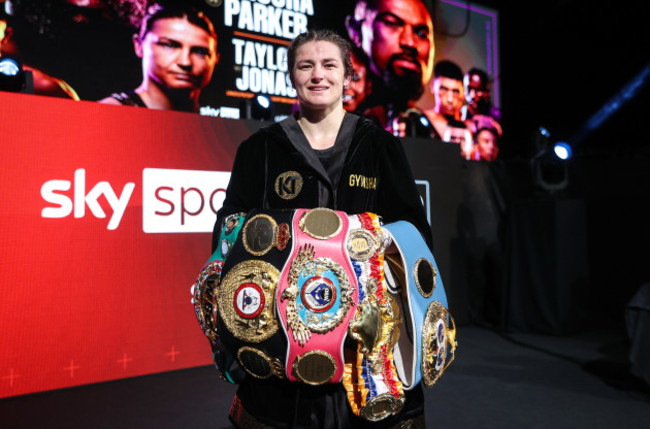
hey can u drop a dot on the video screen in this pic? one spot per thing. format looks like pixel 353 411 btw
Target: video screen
pixel 422 68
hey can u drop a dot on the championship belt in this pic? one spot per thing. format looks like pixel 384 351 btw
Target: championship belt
pixel 373 387
pixel 230 229
pixel 430 349
pixel 205 292
pixel 317 296
pixel 249 325
pixel 210 276
pixel 285 288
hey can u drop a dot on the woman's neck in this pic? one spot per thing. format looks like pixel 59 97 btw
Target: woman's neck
pixel 321 129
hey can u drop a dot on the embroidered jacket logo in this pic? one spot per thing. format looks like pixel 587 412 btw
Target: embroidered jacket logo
pixel 288 185
pixel 362 181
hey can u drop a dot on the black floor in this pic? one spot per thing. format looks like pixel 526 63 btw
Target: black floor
pixel 496 381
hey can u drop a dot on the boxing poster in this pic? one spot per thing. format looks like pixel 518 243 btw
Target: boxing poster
pixel 423 68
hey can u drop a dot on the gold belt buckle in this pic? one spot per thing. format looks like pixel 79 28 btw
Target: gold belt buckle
pixel 246 300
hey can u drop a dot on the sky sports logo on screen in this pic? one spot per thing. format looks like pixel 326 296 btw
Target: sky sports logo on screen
pixel 181 200
pixel 172 200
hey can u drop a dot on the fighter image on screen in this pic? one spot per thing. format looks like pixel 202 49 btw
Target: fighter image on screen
pixel 478 111
pixel 360 86
pixel 486 146
pixel 70 44
pixel 477 95
pixel 448 93
pixel 178 47
pixel 397 37
pixel 43 83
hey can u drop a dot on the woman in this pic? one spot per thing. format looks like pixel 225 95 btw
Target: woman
pixel 178 47
pixel 325 158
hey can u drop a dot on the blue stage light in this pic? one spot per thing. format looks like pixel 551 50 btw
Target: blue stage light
pixel 259 108
pixel 264 101
pixel 563 150
pixel 12 76
pixel 9 67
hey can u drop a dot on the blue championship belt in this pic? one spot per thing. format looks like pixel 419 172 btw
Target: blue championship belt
pixel 426 353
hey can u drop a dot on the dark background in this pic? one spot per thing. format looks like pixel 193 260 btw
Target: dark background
pixel 582 248
pixel 562 61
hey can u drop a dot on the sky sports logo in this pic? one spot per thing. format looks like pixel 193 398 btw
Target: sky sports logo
pixel 181 200
pixel 172 200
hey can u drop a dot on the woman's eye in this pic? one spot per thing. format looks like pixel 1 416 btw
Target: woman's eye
pixel 170 44
pixel 204 52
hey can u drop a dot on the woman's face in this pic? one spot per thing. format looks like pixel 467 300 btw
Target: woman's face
pixel 319 76
pixel 177 54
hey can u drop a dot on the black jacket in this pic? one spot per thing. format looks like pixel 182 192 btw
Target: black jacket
pixel 368 171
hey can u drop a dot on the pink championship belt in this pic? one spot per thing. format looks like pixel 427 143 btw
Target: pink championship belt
pixel 317 296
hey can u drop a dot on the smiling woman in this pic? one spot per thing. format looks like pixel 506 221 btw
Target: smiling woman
pixel 178 48
pixel 324 158
pixel 319 77
pixel 320 69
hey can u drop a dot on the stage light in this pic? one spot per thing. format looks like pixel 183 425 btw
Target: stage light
pixel 9 67
pixel 263 101
pixel 259 108
pixel 563 150
pixel 550 172
pixel 550 164
pixel 12 76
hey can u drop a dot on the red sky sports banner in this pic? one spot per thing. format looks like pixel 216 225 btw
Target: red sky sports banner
pixel 106 223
